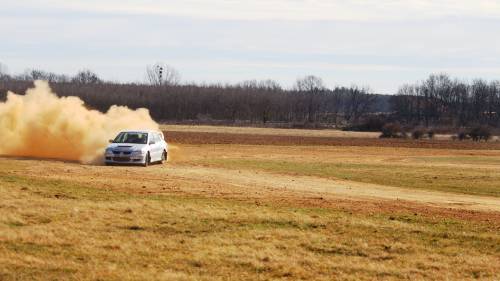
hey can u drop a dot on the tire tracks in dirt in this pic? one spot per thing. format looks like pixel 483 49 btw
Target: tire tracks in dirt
pixel 339 188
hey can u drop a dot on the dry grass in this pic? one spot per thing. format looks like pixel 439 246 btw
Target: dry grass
pixel 268 131
pixel 56 229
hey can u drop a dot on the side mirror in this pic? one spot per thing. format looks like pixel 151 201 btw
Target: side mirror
pixel 111 141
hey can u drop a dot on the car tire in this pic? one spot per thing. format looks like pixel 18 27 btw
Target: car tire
pixel 164 156
pixel 147 161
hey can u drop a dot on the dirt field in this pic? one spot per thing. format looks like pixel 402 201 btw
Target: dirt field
pixel 345 139
pixel 270 206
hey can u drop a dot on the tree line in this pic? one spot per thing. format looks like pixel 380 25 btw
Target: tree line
pixel 438 101
pixel 308 103
pixel 443 101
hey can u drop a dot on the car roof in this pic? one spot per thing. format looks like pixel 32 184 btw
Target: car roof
pixel 140 131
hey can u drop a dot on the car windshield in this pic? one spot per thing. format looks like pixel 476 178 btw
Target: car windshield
pixel 129 137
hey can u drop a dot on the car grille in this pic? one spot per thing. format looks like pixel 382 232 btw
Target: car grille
pixel 121 159
pixel 115 152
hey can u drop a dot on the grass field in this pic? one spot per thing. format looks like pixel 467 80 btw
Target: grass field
pixel 246 211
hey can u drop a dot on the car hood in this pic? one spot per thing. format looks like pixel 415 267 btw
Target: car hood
pixel 127 146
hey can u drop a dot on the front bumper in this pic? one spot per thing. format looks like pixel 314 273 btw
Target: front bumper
pixel 124 159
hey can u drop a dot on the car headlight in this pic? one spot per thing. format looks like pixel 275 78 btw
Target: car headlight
pixel 109 150
pixel 137 153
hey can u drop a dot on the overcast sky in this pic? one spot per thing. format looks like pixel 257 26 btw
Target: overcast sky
pixel 381 44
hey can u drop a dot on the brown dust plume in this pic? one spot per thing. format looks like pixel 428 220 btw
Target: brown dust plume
pixel 41 124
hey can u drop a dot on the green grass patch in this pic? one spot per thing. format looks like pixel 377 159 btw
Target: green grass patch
pixel 471 160
pixel 474 181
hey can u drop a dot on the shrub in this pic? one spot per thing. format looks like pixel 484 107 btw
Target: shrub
pixel 418 133
pixel 392 130
pixel 371 124
pixel 480 133
pixel 462 136
pixel 431 134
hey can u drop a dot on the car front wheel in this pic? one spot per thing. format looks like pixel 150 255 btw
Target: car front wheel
pixel 147 160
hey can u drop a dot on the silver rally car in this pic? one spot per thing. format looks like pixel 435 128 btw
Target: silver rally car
pixel 137 147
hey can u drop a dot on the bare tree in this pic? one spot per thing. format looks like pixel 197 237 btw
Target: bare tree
pixel 32 74
pixel 37 74
pixel 310 83
pixel 358 103
pixel 311 87
pixel 86 77
pixel 440 100
pixel 162 74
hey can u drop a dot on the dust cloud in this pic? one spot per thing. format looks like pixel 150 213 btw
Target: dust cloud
pixel 41 124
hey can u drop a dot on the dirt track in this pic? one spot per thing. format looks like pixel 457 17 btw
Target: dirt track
pixel 240 183
pixel 345 189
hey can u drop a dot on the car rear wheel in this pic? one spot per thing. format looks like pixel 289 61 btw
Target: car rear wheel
pixel 147 161
pixel 164 156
